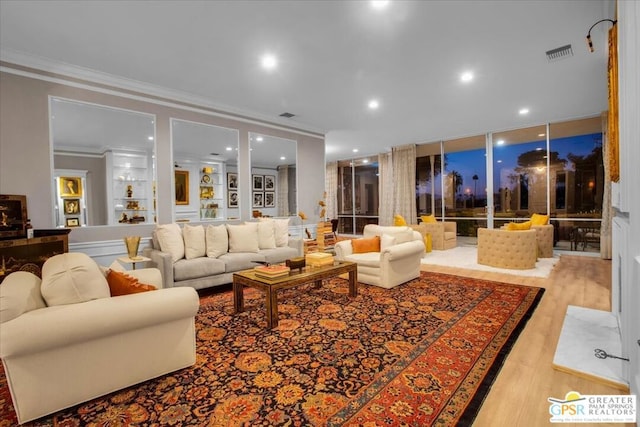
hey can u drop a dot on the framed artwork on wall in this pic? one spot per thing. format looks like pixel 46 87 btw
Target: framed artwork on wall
pixel 70 186
pixel 232 199
pixel 269 182
pixel 72 222
pixel 71 206
pixel 258 199
pixel 232 181
pixel 258 182
pixel 182 187
pixel 269 199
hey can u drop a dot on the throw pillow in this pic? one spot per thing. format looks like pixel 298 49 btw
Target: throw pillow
pixel 170 239
pixel 281 230
pixel 19 293
pixel 398 220
pixel 537 219
pixel 123 284
pixel 243 238
pixel 194 241
pixel 515 226
pixel 361 246
pixel 266 235
pixel 386 241
pixel 428 219
pixel 72 278
pixel 217 240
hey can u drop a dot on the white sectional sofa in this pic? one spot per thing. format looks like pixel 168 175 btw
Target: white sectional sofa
pixel 205 256
pixel 64 340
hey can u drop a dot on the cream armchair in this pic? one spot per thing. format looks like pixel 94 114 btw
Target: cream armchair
pixel 443 233
pixel 59 355
pixel 397 262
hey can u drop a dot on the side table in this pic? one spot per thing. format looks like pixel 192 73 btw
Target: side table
pixel 133 261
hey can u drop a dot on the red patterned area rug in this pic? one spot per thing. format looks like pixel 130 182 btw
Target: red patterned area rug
pixel 424 353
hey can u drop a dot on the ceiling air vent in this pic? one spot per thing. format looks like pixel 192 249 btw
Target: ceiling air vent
pixel 287 115
pixel 559 53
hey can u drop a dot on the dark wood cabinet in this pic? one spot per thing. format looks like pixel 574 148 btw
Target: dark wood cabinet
pixel 30 254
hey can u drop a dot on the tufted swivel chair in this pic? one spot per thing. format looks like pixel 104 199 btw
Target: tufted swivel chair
pixel 507 249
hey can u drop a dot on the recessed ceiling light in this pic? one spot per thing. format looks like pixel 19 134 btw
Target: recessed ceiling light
pixel 373 104
pixel 259 139
pixel 150 138
pixel 229 149
pixel 379 4
pixel 365 161
pixel 466 77
pixel 355 150
pixel 283 158
pixel 523 111
pixel 269 62
pixel 500 142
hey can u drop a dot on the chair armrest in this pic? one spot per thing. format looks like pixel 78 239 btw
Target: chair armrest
pixel 343 249
pixel 451 226
pixel 148 276
pixel 403 250
pixel 298 245
pixel 163 262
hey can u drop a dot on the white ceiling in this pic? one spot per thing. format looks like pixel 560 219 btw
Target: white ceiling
pixel 333 57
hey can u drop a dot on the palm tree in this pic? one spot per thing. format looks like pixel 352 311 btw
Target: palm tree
pixel 456 182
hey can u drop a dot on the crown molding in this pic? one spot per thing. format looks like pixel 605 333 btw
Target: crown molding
pixel 90 76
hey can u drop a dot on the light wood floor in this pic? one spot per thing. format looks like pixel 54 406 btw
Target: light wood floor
pixel 518 397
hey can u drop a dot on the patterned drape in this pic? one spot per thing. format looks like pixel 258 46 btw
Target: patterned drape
pixel 607 209
pixel 404 179
pixel 331 188
pixel 385 185
pixel 283 191
pixel 614 148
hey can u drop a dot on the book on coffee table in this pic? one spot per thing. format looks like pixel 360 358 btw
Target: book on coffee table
pixel 271 271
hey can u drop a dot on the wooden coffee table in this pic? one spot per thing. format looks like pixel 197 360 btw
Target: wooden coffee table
pixel 271 286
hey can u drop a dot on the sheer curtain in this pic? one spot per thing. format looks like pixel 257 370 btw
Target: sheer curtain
pixel 331 188
pixel 283 191
pixel 385 185
pixel 404 179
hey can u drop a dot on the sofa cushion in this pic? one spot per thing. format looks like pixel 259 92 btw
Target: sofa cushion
pixel 72 278
pixel 537 219
pixel 449 235
pixel 241 260
pixel 428 219
pixel 515 226
pixel 281 226
pixel 398 220
pixel 122 284
pixel 278 254
pixel 371 244
pixel 243 238
pixel 195 268
pixel 217 240
pixel 386 241
pixel 194 241
pixel 170 240
pixel 19 293
pixel 266 235
pixel 370 259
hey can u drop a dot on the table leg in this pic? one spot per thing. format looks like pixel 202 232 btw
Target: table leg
pixel 353 283
pixel 272 308
pixel 238 297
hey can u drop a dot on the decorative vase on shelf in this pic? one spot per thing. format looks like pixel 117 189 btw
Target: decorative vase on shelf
pixel 132 243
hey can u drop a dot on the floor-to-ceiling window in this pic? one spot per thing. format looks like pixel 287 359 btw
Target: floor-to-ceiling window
pixel 465 183
pixel 358 194
pixel 577 184
pixel 429 179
